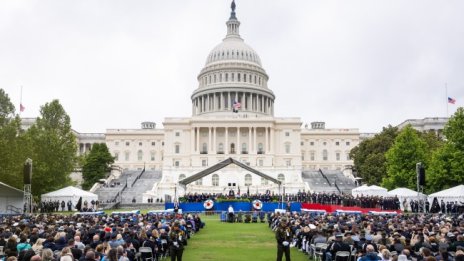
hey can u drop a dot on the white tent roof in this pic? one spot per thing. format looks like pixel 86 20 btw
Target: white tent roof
pixel 70 193
pixel 455 192
pixel 369 191
pixel 404 192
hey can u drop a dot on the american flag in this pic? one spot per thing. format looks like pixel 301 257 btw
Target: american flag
pixel 236 106
pixel 451 100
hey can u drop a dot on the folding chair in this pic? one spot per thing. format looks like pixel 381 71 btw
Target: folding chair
pixel 146 254
pixel 342 255
pixel 319 250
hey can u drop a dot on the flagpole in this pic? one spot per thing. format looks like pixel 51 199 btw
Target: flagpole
pixel 20 100
pixel 446 99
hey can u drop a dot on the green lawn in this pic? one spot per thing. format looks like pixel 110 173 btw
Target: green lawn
pixel 234 242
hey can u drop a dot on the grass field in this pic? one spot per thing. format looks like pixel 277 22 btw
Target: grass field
pixel 234 242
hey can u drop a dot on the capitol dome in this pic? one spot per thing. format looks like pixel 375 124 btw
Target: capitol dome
pixel 233 79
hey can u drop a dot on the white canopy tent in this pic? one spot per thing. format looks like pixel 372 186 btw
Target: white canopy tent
pixel 70 193
pixel 406 194
pixel 370 191
pixel 10 199
pixel 451 194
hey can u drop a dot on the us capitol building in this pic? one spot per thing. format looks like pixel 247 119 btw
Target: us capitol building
pixel 232 122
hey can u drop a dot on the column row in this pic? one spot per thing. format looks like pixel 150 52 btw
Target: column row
pixel 231 141
pixel 220 101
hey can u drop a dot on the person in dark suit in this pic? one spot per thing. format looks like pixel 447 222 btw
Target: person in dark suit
pixel 283 236
pixel 337 245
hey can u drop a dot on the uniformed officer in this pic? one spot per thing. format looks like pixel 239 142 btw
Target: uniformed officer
pixel 176 240
pixel 283 237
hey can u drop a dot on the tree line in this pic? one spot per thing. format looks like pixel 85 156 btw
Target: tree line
pixel 389 158
pixel 51 144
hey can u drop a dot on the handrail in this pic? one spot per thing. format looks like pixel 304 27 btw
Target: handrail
pixel 323 175
pixel 13 209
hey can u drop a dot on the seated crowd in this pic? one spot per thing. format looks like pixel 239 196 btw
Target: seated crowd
pixel 95 237
pixel 369 237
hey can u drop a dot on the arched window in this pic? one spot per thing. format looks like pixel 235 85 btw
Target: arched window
pixel 325 155
pixel 215 78
pixel 281 178
pixel 260 148
pixel 264 181
pixel 232 148
pixel 215 180
pixel 220 77
pixel 248 181
pixel 221 148
pixel 181 177
pixel 244 77
pixel 287 147
pixel 238 77
pixel 139 155
pixel 233 77
pixel 199 182
pixel 244 148
pixel 204 148
pixel 227 77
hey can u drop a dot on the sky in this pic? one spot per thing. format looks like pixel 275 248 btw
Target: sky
pixel 116 63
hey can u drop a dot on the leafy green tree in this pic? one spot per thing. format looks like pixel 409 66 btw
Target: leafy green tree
pixel 447 164
pixel 53 149
pixel 407 150
pixel 97 163
pixel 369 156
pixel 13 149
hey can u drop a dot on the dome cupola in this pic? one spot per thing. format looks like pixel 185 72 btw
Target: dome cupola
pixel 233 79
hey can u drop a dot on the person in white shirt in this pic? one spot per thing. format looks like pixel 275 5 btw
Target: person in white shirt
pixel 230 213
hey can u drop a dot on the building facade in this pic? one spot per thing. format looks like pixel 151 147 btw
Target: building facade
pixel 232 117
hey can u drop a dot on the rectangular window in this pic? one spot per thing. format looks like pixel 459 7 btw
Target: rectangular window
pixel 260 162
pixel 302 143
pixel 337 143
pixel 152 156
pixel 177 149
pixel 288 162
pixel 176 163
pixel 116 156
pixel 337 156
pixel 140 143
pixel 287 134
pixel 126 156
pixel 177 134
pixel 153 143
pixel 116 143
pixel 204 162
pixel 127 143
pixel 347 143
pixel 313 155
pixel 311 143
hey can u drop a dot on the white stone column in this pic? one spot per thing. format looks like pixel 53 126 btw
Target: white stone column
pixel 209 138
pixel 237 147
pixel 198 139
pixel 271 149
pixel 255 144
pixel 214 140
pixel 249 141
pixel 226 146
pixel 266 144
pixel 192 140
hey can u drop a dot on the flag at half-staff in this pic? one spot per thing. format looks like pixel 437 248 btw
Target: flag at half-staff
pixel 236 106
